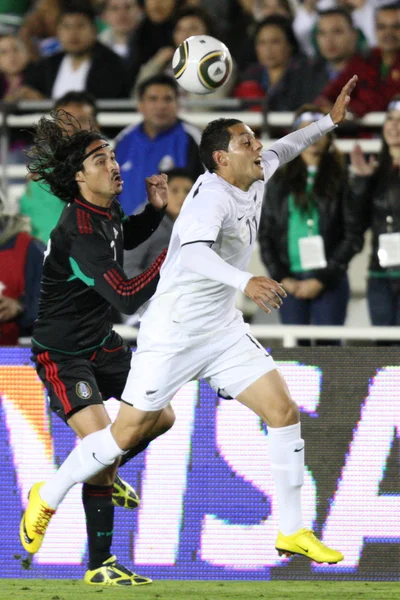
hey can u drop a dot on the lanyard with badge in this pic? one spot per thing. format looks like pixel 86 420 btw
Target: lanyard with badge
pixel 389 242
pixel 312 249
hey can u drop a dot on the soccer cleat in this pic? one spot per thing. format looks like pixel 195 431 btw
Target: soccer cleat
pixel 35 520
pixel 305 543
pixel 124 495
pixel 112 573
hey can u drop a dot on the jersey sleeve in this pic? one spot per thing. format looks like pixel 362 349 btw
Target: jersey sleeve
pixel 203 217
pixel 91 259
pixel 138 228
pixel 290 146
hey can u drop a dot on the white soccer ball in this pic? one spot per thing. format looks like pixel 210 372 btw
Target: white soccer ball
pixel 202 64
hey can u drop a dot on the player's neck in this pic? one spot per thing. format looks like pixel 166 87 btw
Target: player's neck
pixel 232 180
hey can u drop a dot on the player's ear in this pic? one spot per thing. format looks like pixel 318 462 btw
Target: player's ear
pixel 79 177
pixel 221 158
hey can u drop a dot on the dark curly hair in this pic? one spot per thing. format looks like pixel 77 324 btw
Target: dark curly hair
pixel 58 151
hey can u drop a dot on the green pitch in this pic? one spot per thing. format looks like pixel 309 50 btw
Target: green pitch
pixel 65 589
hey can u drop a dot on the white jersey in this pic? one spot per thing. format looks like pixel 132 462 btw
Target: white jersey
pixel 226 218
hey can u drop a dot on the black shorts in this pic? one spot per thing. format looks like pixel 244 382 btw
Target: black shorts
pixel 74 382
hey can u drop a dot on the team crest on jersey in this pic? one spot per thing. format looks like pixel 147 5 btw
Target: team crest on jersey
pixel 83 390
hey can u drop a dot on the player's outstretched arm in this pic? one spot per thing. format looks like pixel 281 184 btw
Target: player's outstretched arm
pixel 291 145
pixel 263 291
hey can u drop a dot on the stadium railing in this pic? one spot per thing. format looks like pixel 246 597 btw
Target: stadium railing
pixel 289 335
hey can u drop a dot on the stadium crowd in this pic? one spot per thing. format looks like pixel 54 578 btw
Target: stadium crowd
pixel 288 56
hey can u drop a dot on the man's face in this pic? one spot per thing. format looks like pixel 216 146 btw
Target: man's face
pixel 388 29
pixel 121 15
pixel 243 158
pixel 187 26
pixel 13 55
pixel 336 39
pixel 76 33
pixel 100 174
pixel 83 113
pixel 178 189
pixel 159 107
pixel 159 11
pixel 272 47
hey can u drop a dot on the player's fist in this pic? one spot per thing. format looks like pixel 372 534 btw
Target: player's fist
pixel 263 291
pixel 157 190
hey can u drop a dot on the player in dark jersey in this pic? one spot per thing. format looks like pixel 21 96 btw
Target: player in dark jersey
pixel 78 356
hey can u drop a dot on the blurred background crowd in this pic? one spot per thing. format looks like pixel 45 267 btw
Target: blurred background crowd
pixel 289 56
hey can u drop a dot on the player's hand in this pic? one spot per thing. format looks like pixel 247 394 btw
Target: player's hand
pixel 157 190
pixel 338 112
pixel 360 166
pixel 263 291
pixel 308 289
pixel 9 308
pixel 290 284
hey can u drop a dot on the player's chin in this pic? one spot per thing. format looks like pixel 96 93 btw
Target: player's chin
pixel 259 171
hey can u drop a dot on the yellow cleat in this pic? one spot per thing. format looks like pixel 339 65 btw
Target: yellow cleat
pixel 305 543
pixel 112 573
pixel 35 520
pixel 124 494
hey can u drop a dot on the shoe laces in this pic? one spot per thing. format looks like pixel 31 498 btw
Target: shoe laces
pixel 311 535
pixel 43 519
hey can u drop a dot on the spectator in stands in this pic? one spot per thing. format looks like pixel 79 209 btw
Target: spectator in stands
pixel 245 16
pixel 379 75
pixel 376 187
pixel 21 259
pixel 189 21
pixel 361 11
pixel 14 60
pixel 159 143
pixel 38 203
pixel 337 44
pixel 180 182
pixel 40 25
pixel 308 232
pixel 153 33
pixel 84 64
pixel 279 72
pixel 122 18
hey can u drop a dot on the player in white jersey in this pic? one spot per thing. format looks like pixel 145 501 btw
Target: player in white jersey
pixel 191 328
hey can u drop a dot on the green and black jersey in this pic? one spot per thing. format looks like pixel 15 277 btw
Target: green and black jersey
pixel 83 275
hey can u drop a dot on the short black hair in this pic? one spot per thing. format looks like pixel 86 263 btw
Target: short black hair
pixel 74 97
pixel 179 172
pixel 389 6
pixel 74 7
pixel 342 12
pixel 200 13
pixel 215 137
pixel 285 25
pixel 157 80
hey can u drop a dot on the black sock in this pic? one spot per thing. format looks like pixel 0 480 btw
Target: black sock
pixel 99 511
pixel 134 451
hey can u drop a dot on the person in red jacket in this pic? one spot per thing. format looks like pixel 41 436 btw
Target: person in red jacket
pixel 378 74
pixel 21 258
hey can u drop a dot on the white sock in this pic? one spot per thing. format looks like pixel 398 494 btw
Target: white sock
pixel 95 452
pixel 286 453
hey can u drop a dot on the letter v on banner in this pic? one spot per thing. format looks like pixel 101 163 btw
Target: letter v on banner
pixel 358 513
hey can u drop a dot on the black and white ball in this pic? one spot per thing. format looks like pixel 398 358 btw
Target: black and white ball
pixel 202 64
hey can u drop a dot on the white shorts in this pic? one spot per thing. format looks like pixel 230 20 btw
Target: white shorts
pixel 229 360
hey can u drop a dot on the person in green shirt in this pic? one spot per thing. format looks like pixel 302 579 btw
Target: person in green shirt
pixel 38 203
pixel 309 232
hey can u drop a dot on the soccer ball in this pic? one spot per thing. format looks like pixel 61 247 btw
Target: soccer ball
pixel 202 64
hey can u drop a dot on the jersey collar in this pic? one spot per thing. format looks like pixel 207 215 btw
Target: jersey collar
pixel 105 212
